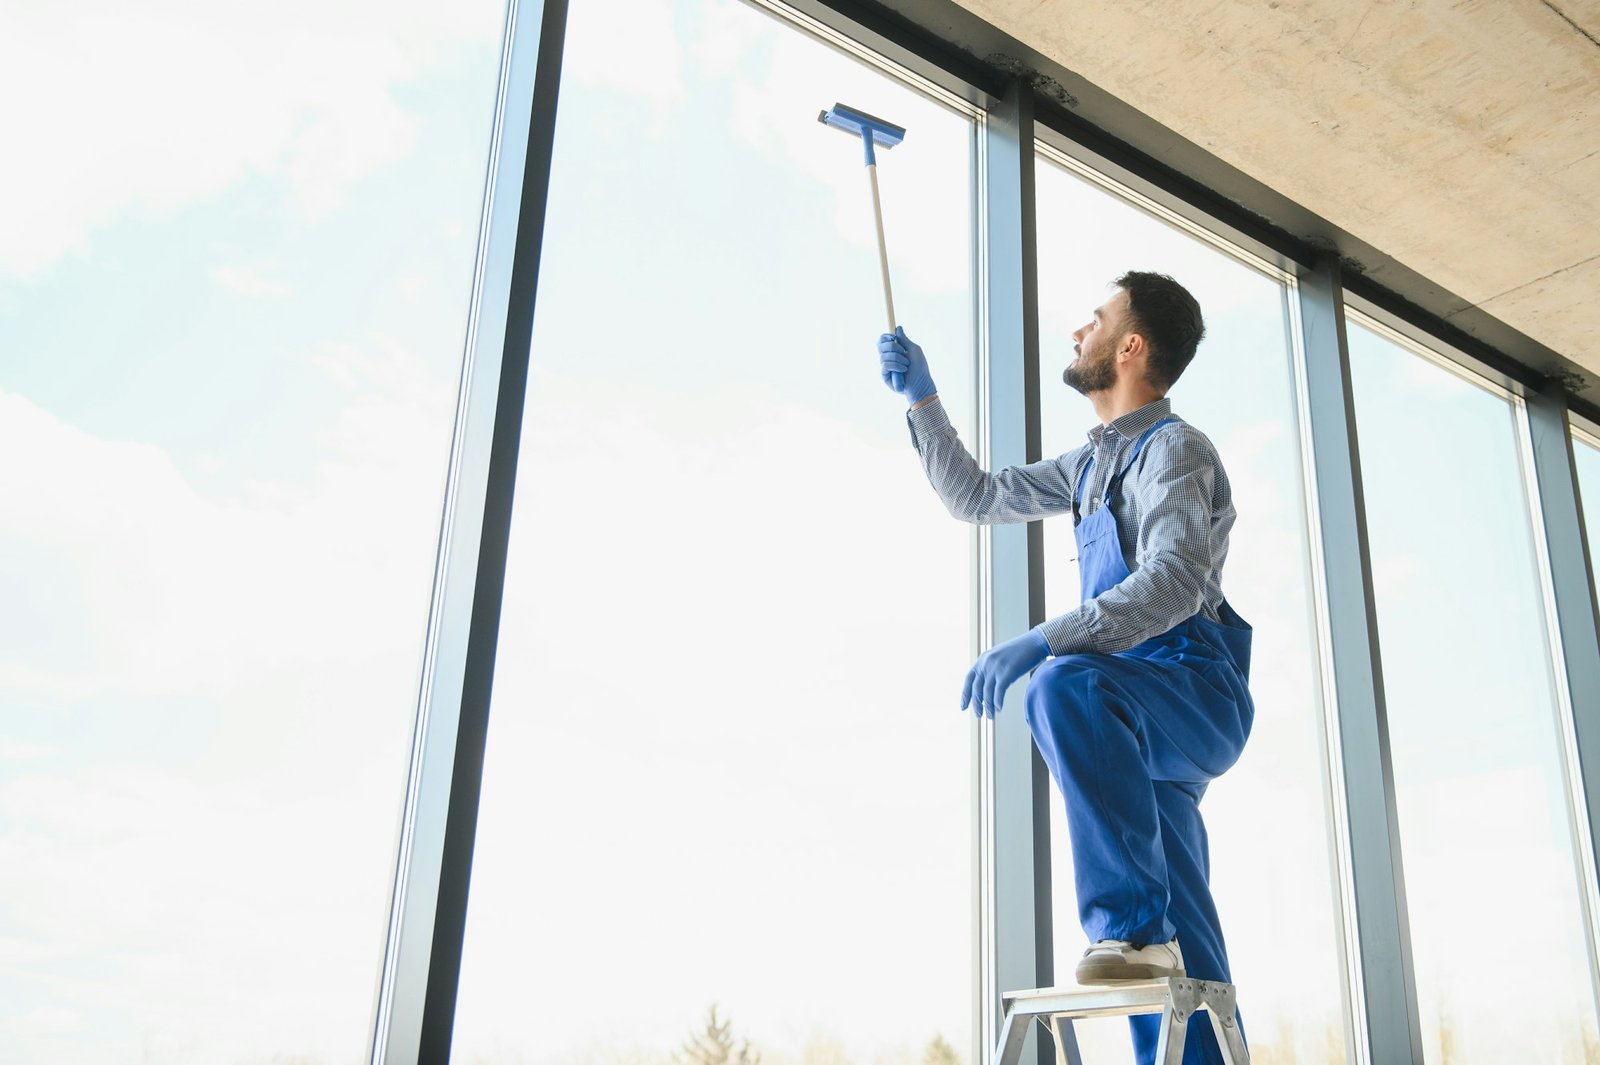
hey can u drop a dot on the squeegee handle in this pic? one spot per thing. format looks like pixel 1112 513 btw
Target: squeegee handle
pixel 883 255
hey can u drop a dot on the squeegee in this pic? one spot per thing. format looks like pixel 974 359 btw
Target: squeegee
pixel 872 131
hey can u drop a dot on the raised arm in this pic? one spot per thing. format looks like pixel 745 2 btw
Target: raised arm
pixel 1016 493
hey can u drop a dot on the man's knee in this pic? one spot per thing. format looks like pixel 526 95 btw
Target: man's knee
pixel 1062 686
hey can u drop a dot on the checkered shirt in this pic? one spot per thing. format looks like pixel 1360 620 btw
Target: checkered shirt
pixel 1173 517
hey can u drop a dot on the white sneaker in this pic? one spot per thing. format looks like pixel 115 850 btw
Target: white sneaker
pixel 1116 961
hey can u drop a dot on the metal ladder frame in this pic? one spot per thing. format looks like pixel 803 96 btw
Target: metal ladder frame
pixel 1175 998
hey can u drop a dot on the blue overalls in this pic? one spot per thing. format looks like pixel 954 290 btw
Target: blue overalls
pixel 1132 739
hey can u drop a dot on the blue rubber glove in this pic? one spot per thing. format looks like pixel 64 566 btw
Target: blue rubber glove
pixel 904 368
pixel 1000 667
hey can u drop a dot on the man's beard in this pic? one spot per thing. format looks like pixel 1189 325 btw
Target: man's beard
pixel 1088 376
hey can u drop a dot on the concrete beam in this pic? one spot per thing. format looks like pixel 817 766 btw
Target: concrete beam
pixel 1461 139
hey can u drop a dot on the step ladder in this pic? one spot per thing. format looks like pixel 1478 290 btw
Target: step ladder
pixel 1175 998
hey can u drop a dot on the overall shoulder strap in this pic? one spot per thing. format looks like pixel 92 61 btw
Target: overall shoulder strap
pixel 1077 491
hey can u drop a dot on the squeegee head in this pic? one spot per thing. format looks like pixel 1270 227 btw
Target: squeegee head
pixel 871 129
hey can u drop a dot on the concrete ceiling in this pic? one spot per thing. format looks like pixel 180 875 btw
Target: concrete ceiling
pixel 1461 139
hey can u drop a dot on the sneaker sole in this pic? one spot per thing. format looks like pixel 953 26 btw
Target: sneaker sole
pixel 1121 972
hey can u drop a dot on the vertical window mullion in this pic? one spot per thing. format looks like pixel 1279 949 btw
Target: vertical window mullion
pixel 1387 1013
pixel 1019 790
pixel 415 1009
pixel 1571 603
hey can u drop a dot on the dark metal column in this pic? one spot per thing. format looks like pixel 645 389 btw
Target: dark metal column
pixel 1571 590
pixel 415 1011
pixel 1020 915
pixel 1388 1019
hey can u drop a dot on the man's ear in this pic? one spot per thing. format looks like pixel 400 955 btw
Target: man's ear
pixel 1132 346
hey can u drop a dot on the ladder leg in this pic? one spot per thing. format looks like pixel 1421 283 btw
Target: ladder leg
pixel 1013 1032
pixel 1174 1032
pixel 1230 1039
pixel 1066 1037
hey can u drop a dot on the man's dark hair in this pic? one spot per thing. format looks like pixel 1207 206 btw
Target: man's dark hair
pixel 1163 312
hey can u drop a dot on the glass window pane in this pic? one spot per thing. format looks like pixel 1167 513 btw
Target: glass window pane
pixel 725 764
pixel 233 289
pixel 1485 826
pixel 1267 817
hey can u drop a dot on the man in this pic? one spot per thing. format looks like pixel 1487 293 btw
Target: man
pixel 1138 698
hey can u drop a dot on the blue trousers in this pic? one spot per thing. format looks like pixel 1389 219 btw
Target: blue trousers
pixel 1132 740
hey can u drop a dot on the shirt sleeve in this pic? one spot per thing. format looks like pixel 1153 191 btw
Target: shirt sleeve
pixel 1173 557
pixel 1016 493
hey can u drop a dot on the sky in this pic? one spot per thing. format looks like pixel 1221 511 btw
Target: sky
pixel 1484 823
pixel 232 294
pixel 725 761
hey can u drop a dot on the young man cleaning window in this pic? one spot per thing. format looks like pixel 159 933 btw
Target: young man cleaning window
pixel 1139 696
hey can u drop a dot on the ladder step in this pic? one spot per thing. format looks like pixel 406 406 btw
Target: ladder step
pixel 1175 998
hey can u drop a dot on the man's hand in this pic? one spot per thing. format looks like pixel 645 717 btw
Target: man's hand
pixel 904 368
pixel 1000 667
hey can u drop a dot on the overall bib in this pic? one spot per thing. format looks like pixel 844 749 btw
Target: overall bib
pixel 1132 740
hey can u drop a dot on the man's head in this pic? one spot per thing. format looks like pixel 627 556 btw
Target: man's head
pixel 1150 326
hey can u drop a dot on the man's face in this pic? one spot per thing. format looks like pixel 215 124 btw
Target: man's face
pixel 1096 344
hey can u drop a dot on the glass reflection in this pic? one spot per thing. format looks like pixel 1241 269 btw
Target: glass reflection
pixel 1491 883
pixel 231 317
pixel 725 763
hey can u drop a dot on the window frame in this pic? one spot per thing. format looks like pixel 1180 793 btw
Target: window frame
pixel 938 43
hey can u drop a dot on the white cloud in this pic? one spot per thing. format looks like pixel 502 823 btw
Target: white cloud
pixel 1391 577
pixel 184 908
pixel 728 31
pixel 413 286
pixel 149 610
pixel 924 182
pixel 249 281
pixel 629 46
pixel 172 885
pixel 57 1020
pixel 18 751
pixel 145 109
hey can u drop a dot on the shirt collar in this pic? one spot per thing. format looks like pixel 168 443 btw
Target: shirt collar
pixel 1131 424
